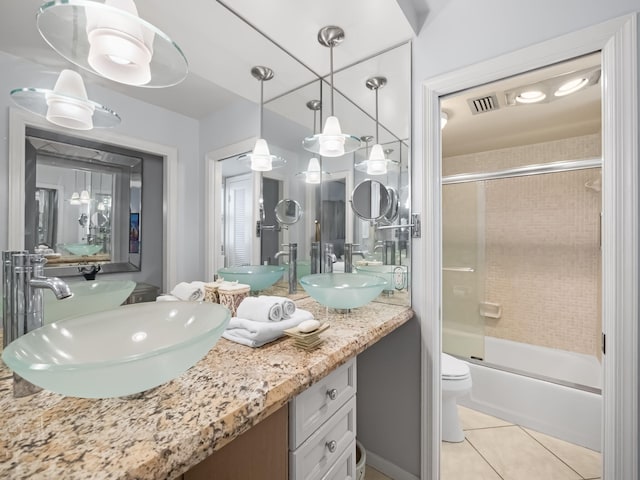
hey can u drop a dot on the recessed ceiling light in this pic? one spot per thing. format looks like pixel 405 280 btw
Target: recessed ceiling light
pixel 530 96
pixel 571 86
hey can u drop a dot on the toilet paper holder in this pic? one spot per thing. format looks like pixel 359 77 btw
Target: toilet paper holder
pixel 490 309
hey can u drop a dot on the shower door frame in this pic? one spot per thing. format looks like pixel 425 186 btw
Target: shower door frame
pixel 617 40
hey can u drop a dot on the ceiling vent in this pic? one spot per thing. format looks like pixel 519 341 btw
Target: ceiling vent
pixel 487 103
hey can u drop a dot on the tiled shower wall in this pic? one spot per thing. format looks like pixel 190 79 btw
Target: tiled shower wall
pixel 542 251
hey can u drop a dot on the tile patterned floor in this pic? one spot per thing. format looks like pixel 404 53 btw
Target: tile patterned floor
pixel 498 450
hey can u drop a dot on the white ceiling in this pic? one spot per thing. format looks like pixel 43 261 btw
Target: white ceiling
pixel 573 115
pixel 222 47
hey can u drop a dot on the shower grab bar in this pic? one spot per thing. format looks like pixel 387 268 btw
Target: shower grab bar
pixel 537 169
pixel 459 269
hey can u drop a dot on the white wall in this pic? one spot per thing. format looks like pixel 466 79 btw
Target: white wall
pixel 140 120
pixel 457 34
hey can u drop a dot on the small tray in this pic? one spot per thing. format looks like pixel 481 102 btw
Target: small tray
pixel 294 333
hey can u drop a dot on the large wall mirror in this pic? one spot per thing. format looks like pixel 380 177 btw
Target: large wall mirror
pixel 83 203
pixel 327 213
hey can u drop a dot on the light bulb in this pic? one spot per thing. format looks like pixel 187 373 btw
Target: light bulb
pixel 444 118
pixel 84 197
pixel 332 139
pixel 75 199
pixel 571 86
pixel 101 206
pixel 120 47
pixel 531 96
pixel 68 104
pixel 377 163
pixel 313 171
pixel 261 157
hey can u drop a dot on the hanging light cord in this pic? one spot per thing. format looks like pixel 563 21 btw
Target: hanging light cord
pixel 331 66
pixel 377 124
pixel 261 103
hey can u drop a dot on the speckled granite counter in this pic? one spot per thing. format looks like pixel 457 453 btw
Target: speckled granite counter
pixel 163 432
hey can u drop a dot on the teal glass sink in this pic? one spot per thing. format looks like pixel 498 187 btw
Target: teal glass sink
pixel 80 249
pixel 343 290
pixel 258 277
pixel 118 352
pixel 88 297
pixel 395 275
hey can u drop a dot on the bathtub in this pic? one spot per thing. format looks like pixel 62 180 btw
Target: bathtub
pixel 527 399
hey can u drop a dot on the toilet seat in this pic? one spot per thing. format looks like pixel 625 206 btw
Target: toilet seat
pixel 453 369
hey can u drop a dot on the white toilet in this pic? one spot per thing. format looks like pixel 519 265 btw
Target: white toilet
pixel 456 381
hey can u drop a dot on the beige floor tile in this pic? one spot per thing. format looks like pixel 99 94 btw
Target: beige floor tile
pixel 371 473
pixel 471 419
pixel 460 461
pixel 584 461
pixel 517 456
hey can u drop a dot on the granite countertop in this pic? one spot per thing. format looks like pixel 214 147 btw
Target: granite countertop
pixel 163 432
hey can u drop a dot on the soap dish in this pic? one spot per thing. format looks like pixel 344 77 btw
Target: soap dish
pixel 307 341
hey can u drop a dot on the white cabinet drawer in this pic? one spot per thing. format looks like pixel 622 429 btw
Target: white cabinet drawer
pixel 320 451
pixel 315 405
pixel 345 466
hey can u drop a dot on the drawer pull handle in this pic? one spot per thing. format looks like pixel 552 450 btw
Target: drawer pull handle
pixel 332 394
pixel 332 445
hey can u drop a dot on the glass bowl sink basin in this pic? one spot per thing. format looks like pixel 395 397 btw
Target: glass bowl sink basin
pixel 81 249
pixel 343 290
pixel 88 297
pixel 258 277
pixel 395 275
pixel 118 352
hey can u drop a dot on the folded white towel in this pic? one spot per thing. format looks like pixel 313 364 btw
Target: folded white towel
pixel 192 292
pixel 260 309
pixel 167 298
pixel 288 307
pixel 256 334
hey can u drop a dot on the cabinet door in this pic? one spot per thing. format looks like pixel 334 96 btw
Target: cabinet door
pixel 345 466
pixel 319 453
pixel 258 454
pixel 320 401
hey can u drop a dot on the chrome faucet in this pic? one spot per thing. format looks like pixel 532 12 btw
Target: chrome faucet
pixel 22 309
pixel 328 258
pixel 380 246
pixel 388 251
pixel 349 252
pixel 315 257
pixel 292 253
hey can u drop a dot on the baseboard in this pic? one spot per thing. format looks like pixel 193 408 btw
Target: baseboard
pixel 389 469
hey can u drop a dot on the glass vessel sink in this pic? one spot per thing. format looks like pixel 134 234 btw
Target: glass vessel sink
pixel 395 275
pixel 80 249
pixel 88 297
pixel 118 352
pixel 343 290
pixel 258 277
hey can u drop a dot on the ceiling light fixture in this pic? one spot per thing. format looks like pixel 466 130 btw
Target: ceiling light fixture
pixel 553 88
pixel 75 196
pixel 331 142
pixel 444 118
pixel 67 105
pixel 313 173
pixel 260 159
pixel 571 86
pixel 531 96
pixel 111 40
pixel 377 162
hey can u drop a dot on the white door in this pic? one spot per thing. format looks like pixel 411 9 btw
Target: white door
pixel 238 212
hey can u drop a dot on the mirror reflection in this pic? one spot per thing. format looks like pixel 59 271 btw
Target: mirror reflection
pixel 370 200
pixel 83 203
pixel 288 212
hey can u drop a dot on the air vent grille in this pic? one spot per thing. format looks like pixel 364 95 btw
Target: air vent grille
pixel 487 103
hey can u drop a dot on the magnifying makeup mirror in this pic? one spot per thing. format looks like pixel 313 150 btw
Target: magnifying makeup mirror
pixel 371 200
pixel 288 212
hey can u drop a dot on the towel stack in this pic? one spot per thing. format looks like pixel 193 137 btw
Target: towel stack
pixel 263 319
pixel 191 292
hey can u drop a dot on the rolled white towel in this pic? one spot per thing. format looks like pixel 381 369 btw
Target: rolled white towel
pixel 256 334
pixel 191 292
pixel 167 298
pixel 260 309
pixel 288 307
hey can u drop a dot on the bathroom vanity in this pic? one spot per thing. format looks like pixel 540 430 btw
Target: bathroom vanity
pixel 236 408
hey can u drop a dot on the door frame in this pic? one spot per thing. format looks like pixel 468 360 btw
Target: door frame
pixel 617 40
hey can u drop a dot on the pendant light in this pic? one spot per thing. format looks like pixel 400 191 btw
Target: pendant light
pixel 67 105
pixel 75 196
pixel 377 162
pixel 313 173
pixel 85 198
pixel 111 40
pixel 331 142
pixel 101 206
pixel 260 159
